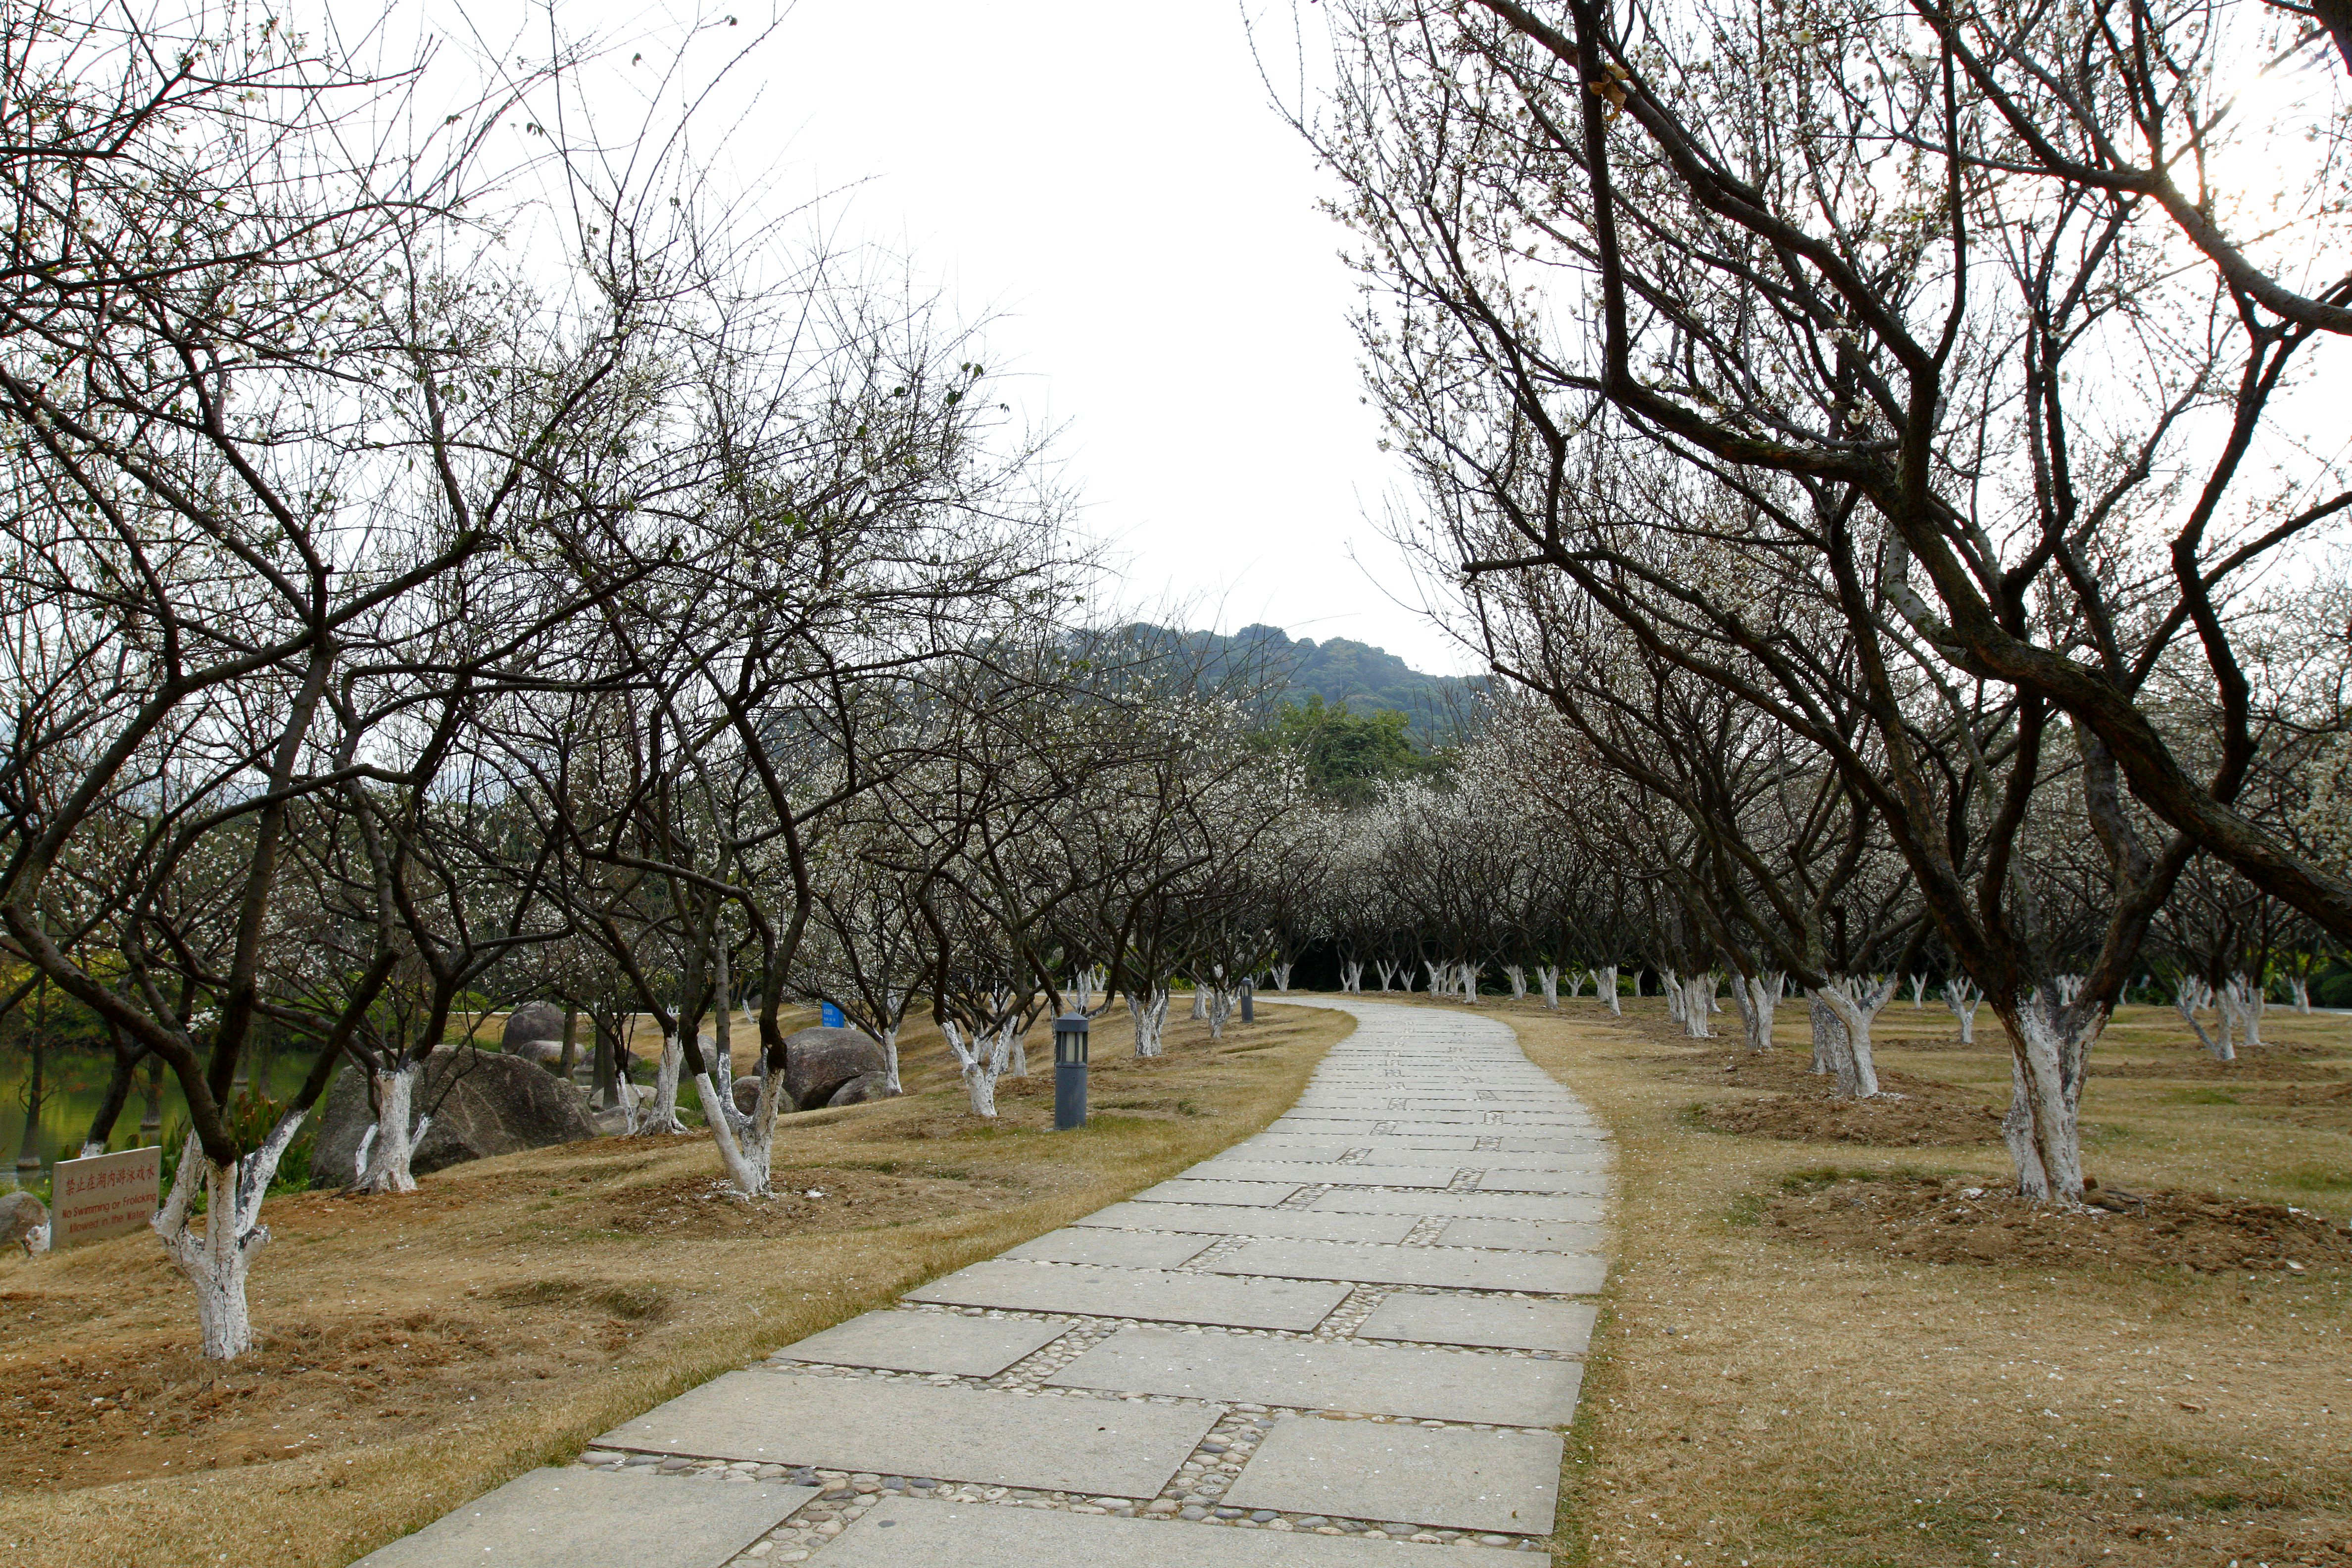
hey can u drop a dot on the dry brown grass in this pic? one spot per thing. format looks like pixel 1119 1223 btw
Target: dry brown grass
pixel 1763 1398
pixel 422 1350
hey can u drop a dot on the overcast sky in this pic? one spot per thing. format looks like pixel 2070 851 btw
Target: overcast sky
pixel 1110 184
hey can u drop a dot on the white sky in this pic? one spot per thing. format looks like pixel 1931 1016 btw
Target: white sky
pixel 1110 185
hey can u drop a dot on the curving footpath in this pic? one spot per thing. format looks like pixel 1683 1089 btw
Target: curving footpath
pixel 1351 1340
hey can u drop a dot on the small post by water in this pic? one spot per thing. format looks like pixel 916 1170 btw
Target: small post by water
pixel 1070 1072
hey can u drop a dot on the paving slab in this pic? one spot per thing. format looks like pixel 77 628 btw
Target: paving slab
pixel 1496 1322
pixel 1365 1176
pixel 1521 1235
pixel 1461 1206
pixel 1588 1183
pixel 901 1532
pixel 1180 1191
pixel 1112 1249
pixel 1154 1294
pixel 1306 1150
pixel 1318 1374
pixel 579 1518
pixel 993 1436
pixel 928 1342
pixel 1440 1476
pixel 1593 1158
pixel 1456 1268
pixel 1211 1219
pixel 1509 1144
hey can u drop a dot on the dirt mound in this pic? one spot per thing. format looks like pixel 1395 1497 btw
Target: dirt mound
pixel 807 1201
pixel 2290 1062
pixel 1953 1220
pixel 1885 1122
pixel 151 1406
pixel 1909 1112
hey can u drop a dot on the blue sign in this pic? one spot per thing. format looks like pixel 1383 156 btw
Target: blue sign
pixel 830 1016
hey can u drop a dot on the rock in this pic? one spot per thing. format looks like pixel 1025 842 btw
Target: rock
pixel 546 1053
pixel 861 1089
pixel 484 1103
pixel 533 1021
pixel 819 1061
pixel 20 1213
pixel 746 1095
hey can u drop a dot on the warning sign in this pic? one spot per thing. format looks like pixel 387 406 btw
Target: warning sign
pixel 106 1195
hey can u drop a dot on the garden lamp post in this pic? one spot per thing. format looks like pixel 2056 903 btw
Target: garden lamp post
pixel 1070 1072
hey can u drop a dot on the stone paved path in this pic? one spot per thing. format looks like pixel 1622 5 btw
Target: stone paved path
pixel 1350 1341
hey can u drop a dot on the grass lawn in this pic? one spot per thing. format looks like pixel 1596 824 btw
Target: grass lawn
pixel 420 1350
pixel 1789 1372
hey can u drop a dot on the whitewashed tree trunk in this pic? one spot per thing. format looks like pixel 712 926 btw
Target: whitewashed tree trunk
pixel 1918 992
pixel 1854 1004
pixel 2241 1002
pixel 1605 980
pixel 722 1018
pixel 1744 1000
pixel 2189 996
pixel 1149 1012
pixel 891 1059
pixel 1437 975
pixel 1828 1035
pixel 1697 1000
pixel 1763 998
pixel 1517 975
pixel 1221 999
pixel 1351 978
pixel 2043 1126
pixel 1468 973
pixel 1387 973
pixel 982 1062
pixel 1282 975
pixel 384 1164
pixel 1674 989
pixel 1548 980
pixel 1963 998
pixel 218 1260
pixel 661 1117
pixel 2298 991
pixel 1200 998
pixel 1576 979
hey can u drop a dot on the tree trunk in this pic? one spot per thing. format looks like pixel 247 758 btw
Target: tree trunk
pixel 722 1020
pixel 28 1152
pixel 2044 1125
pixel 982 1062
pixel 1200 1002
pixel 2298 992
pixel 118 1095
pixel 1548 981
pixel 890 1059
pixel 1281 976
pixel 661 1116
pixel 390 1147
pixel 1673 990
pixel 218 1260
pixel 1697 1001
pixel 1757 1013
pixel 2187 997
pixel 1605 984
pixel 571 1056
pixel 1149 1011
pixel 1857 1074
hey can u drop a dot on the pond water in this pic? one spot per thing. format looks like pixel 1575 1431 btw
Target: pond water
pixel 74 1082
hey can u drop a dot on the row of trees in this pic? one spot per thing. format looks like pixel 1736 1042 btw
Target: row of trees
pixel 418 594
pixel 1878 436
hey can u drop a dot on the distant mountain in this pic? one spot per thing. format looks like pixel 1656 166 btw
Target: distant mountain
pixel 1367 678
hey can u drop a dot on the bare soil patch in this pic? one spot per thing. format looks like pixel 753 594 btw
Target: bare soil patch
pixel 1956 1219
pixel 1912 1121
pixel 1911 1112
